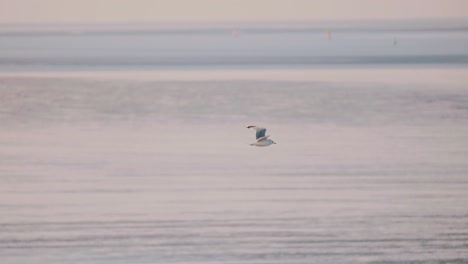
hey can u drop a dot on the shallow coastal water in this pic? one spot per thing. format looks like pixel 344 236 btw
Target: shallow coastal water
pixel 119 169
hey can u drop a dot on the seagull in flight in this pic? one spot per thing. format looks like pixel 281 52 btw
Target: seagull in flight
pixel 262 140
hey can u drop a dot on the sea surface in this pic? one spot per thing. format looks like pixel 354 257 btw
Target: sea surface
pixel 132 146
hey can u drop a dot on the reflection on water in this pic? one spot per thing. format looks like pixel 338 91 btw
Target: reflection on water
pixel 119 171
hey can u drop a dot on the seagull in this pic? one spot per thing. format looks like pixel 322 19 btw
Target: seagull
pixel 262 140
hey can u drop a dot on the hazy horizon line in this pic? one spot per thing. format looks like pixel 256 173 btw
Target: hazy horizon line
pixel 260 21
pixel 206 26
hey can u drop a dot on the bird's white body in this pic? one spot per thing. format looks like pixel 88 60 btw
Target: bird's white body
pixel 262 139
pixel 263 143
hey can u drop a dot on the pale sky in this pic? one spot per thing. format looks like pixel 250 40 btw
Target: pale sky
pixel 120 11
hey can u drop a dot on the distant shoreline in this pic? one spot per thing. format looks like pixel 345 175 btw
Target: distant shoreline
pixel 246 27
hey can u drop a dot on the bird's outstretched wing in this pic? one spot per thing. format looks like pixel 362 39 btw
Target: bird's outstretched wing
pixel 260 131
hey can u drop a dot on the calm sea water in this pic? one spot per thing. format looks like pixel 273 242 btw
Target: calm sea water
pixel 285 46
pixel 137 164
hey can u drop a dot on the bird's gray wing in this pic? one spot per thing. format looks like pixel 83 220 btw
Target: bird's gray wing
pixel 260 133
